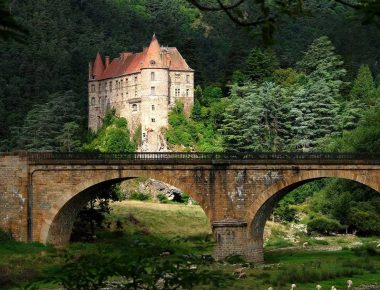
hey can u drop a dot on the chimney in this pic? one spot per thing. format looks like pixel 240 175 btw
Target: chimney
pixel 90 74
pixel 107 61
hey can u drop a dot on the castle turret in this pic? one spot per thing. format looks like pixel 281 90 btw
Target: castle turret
pixel 98 67
pixel 154 101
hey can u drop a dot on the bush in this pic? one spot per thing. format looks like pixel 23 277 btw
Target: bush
pixel 162 198
pixel 324 226
pixel 5 236
pixel 139 196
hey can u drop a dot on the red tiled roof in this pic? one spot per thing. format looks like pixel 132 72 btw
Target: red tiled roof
pixel 98 67
pixel 128 63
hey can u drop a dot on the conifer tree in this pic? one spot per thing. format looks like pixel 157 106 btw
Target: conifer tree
pixel 260 64
pixel 257 121
pixel 363 88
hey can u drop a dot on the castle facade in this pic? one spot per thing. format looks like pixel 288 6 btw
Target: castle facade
pixel 142 87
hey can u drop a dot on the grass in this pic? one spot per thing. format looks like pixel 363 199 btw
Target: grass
pixel 166 220
pixel 182 229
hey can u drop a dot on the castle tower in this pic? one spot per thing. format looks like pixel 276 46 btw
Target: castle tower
pixel 142 87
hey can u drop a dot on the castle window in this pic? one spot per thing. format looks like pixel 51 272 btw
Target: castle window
pixel 188 78
pixel 152 91
pixel 111 86
pixel 136 79
pixel 143 135
pixel 177 75
pixel 135 92
pixel 134 107
pixel 121 83
pixel 153 107
pixel 152 76
pixel 92 88
pixel 122 96
pixel 177 92
pixel 105 86
pixel 92 101
pixel 187 92
pixel 153 120
pixel 100 86
pixel 100 100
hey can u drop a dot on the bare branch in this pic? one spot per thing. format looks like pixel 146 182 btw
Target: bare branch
pixel 208 8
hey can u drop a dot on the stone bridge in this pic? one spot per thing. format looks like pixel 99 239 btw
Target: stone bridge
pixel 42 193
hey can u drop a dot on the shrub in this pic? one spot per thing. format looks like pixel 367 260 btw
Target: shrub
pixel 139 196
pixel 162 198
pixel 5 236
pixel 324 226
pixel 235 259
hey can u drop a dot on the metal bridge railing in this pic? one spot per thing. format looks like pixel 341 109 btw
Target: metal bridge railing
pixel 40 156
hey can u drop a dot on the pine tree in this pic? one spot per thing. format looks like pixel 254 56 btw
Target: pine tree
pixel 363 88
pixel 314 113
pixel 260 64
pixel 68 139
pixel 257 121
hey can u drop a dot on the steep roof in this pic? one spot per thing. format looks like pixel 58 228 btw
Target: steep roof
pixel 154 56
pixel 98 67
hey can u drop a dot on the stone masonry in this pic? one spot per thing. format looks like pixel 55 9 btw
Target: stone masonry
pixel 41 197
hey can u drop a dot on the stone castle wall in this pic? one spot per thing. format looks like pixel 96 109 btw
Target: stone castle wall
pixel 145 99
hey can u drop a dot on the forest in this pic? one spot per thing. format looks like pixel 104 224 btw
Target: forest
pixel 314 87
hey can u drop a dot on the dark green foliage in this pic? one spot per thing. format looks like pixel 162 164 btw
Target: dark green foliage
pixel 284 213
pixel 113 136
pixel 140 267
pixel 199 133
pixel 9 28
pixel 257 120
pixel 53 126
pixel 4 236
pixel 364 138
pixel 91 217
pixel 324 226
pixel 162 198
pixel 363 88
pixel 136 195
pixel 260 65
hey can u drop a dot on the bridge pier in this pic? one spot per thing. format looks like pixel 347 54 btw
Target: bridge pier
pixel 232 237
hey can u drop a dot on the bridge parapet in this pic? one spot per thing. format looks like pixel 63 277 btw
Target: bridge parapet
pixel 204 158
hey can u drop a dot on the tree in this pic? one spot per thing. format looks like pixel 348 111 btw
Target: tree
pixel 363 88
pixel 45 126
pixel 92 216
pixel 9 28
pixel 364 138
pixel 314 114
pixel 69 137
pixel 113 136
pixel 321 62
pixel 257 120
pixel 260 64
pixel 268 14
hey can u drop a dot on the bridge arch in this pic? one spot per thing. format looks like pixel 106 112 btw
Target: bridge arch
pixel 58 222
pixel 259 212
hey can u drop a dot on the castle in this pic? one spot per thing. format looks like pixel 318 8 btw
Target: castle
pixel 142 87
